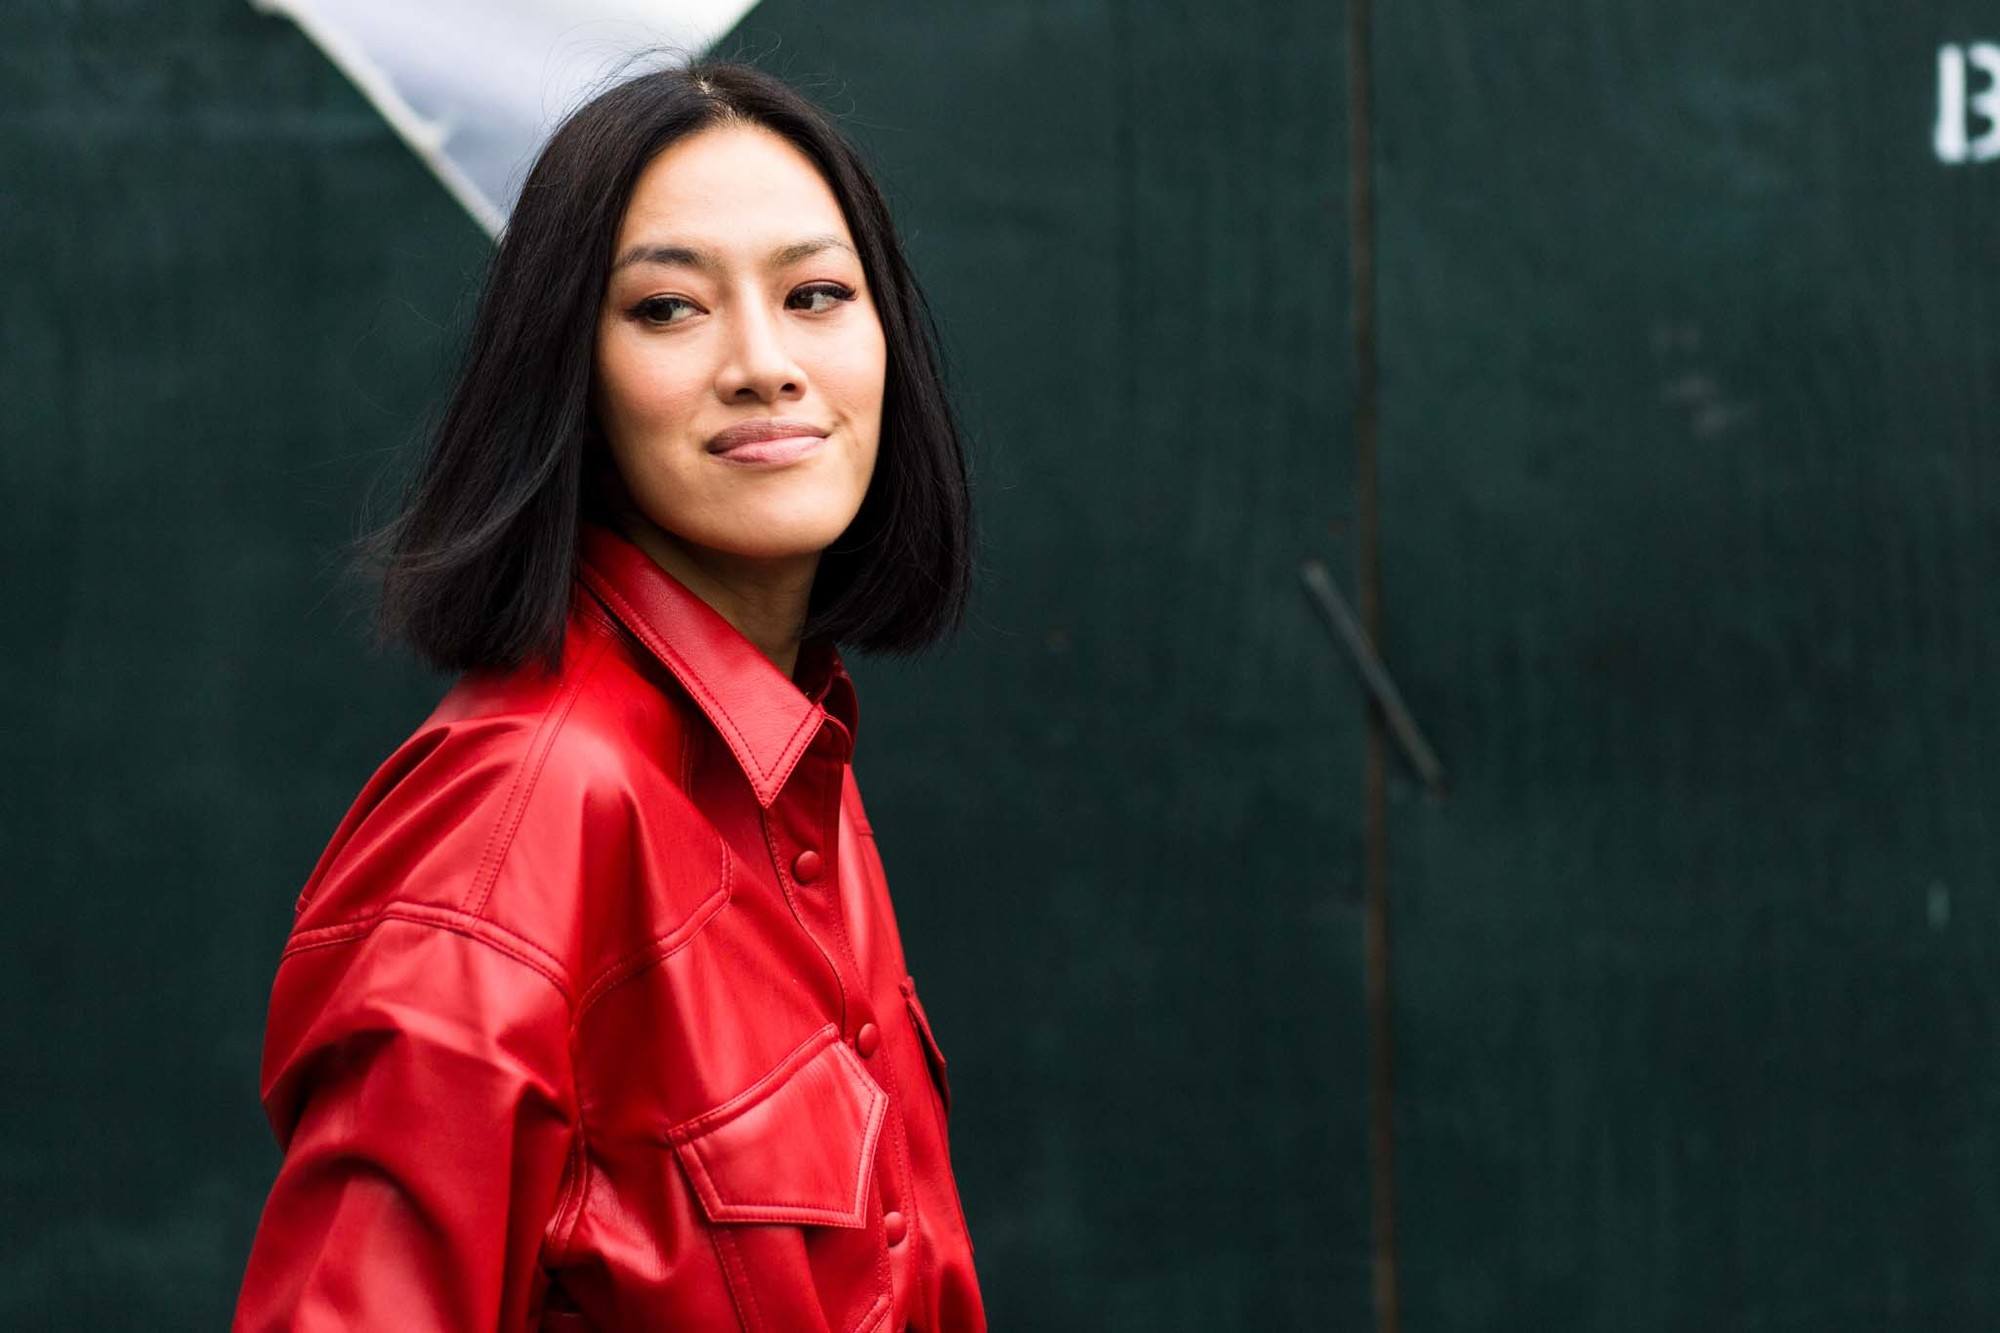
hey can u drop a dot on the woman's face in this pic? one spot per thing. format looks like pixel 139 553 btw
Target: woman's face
pixel 736 298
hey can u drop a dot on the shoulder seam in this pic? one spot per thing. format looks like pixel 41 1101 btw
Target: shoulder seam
pixel 478 929
pixel 526 775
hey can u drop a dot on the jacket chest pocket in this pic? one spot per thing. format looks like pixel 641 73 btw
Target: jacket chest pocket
pixel 785 1174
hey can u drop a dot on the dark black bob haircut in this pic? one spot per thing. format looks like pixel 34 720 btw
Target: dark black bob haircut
pixel 476 567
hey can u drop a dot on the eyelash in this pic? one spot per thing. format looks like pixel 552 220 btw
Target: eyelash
pixel 839 291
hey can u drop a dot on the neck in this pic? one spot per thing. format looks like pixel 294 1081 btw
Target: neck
pixel 764 599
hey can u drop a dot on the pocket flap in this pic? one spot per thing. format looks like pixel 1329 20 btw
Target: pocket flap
pixel 798 1145
pixel 933 1055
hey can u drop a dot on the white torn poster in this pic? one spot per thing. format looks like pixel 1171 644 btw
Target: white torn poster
pixel 475 86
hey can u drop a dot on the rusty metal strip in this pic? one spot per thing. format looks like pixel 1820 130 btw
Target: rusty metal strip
pixel 1367 555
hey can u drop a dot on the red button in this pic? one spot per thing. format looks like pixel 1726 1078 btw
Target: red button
pixel 894 1226
pixel 867 1039
pixel 806 868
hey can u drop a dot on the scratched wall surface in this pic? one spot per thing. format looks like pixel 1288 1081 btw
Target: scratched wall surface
pixel 226 284
pixel 1691 530
pixel 1690 345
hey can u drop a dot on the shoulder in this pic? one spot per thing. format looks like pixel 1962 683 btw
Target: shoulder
pixel 524 803
pixel 850 800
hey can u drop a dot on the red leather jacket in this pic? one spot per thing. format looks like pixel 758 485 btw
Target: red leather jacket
pixel 594 1013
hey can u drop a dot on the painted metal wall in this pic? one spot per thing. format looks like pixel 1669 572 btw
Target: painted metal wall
pixel 227 291
pixel 1122 818
pixel 1691 349
pixel 1689 343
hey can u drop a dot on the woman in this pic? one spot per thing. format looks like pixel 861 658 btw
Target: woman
pixel 594 1014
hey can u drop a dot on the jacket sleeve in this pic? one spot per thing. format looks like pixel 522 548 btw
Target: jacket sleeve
pixel 417 1073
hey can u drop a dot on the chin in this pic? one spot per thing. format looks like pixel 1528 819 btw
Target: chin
pixel 776 539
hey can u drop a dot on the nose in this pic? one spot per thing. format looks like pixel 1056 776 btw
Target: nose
pixel 758 365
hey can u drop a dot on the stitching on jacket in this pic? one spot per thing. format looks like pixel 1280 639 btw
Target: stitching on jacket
pixel 413 753
pixel 561 1235
pixel 556 1238
pixel 569 1209
pixel 562 1238
pixel 789 888
pixel 768 1210
pixel 785 1210
pixel 790 1063
pixel 725 723
pixel 871 1319
pixel 657 950
pixel 689 680
pixel 525 778
pixel 572 1168
pixel 893 1088
pixel 839 916
pixel 913 1233
pixel 774 1210
pixel 494 936
pixel 736 1278
pixel 792 748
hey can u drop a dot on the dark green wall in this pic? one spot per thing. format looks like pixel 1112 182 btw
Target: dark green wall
pixel 226 293
pixel 1688 370
pixel 1692 527
pixel 1121 818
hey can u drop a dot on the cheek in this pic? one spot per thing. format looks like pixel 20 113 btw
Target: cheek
pixel 857 382
pixel 851 367
pixel 638 388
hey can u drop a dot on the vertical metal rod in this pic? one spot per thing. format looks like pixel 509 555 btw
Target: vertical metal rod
pixel 1368 592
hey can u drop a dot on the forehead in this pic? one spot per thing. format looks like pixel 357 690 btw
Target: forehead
pixel 730 186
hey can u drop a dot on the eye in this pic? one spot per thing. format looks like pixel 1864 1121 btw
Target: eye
pixel 659 309
pixel 833 292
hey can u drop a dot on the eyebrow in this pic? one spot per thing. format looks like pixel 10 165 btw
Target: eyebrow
pixel 688 256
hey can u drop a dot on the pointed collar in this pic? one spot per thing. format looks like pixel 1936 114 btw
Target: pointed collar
pixel 766 720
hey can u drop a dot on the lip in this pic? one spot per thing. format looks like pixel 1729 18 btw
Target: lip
pixel 784 450
pixel 769 440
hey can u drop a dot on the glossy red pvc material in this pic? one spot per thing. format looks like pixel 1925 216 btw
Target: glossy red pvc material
pixel 565 1032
